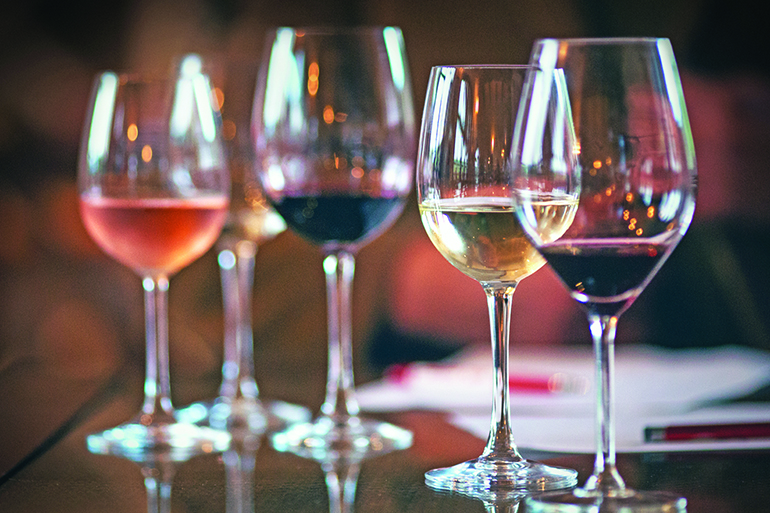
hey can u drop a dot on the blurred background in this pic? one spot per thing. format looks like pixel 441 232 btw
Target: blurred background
pixel 79 314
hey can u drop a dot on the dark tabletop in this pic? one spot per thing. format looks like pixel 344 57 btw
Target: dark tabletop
pixel 46 467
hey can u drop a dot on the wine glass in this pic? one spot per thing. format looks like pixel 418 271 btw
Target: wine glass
pixel 251 222
pixel 154 194
pixel 464 200
pixel 334 135
pixel 604 121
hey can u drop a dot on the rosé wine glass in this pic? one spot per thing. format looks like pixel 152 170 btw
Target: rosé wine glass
pixel 154 195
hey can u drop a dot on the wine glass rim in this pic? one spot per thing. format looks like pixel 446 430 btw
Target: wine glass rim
pixel 135 77
pixel 486 66
pixel 331 30
pixel 603 40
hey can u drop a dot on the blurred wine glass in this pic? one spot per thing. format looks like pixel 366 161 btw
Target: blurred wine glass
pixel 463 183
pixel 154 194
pixel 333 128
pixel 251 222
pixel 604 122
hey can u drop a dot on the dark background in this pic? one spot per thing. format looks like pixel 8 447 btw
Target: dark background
pixel 64 303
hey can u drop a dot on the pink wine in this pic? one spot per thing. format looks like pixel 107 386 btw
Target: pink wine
pixel 152 235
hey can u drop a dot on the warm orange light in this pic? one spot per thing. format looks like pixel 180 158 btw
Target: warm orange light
pixel 219 95
pixel 229 129
pixel 312 78
pixel 597 164
pixel 146 153
pixel 133 132
pixel 328 115
pixel 630 197
pixel 651 212
pixel 576 148
pixel 357 172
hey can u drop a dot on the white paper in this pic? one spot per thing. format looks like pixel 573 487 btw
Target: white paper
pixel 654 387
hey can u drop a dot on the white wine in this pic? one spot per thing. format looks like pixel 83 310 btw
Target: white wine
pixel 483 238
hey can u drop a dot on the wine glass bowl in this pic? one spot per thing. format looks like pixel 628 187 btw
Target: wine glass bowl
pixel 603 121
pixel 333 129
pixel 465 204
pixel 154 195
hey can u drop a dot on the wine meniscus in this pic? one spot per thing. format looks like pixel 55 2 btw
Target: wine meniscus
pixel 483 238
pixel 154 235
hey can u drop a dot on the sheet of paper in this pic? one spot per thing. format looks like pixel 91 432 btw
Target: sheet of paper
pixel 653 387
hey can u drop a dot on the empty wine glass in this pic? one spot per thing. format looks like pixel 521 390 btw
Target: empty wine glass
pixel 334 134
pixel 464 199
pixel 154 194
pixel 604 121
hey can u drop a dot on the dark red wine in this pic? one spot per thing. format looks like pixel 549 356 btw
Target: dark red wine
pixel 603 272
pixel 338 218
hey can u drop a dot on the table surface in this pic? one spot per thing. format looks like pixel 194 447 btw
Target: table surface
pixel 45 465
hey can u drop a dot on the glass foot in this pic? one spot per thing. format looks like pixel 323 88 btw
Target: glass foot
pixel 324 438
pixel 496 478
pixel 625 501
pixel 258 416
pixel 175 441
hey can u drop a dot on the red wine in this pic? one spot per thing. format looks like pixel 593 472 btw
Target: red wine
pixel 154 235
pixel 338 219
pixel 604 272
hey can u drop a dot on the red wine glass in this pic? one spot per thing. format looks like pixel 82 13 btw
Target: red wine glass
pixel 604 121
pixel 333 128
pixel 154 195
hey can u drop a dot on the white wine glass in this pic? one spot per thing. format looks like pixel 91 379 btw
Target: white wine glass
pixel 154 193
pixel 334 136
pixel 604 121
pixel 464 199
pixel 251 223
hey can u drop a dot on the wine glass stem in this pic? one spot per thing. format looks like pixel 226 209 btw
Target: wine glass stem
pixel 236 265
pixel 340 404
pixel 157 407
pixel 239 475
pixel 341 481
pixel 157 483
pixel 605 476
pixel 500 442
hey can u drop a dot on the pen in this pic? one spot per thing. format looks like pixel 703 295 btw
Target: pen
pixel 683 433
pixel 555 383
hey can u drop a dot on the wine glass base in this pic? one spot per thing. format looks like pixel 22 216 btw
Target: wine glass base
pixel 625 501
pixel 257 416
pixel 175 442
pixel 495 478
pixel 323 438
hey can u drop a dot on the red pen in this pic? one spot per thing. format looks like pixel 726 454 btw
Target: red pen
pixel 705 432
pixel 555 383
